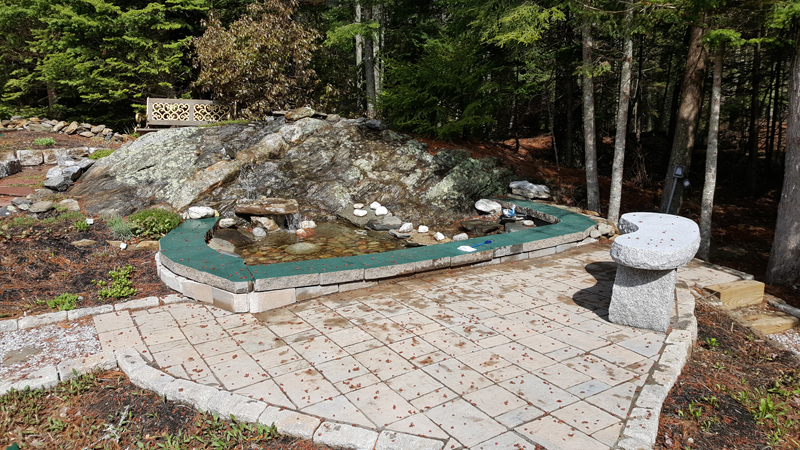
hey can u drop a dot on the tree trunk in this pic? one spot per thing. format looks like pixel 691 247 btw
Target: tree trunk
pixel 707 203
pixel 753 130
pixel 784 258
pixel 685 127
pixel 369 65
pixel 776 119
pixel 569 138
pixel 590 144
pixel 622 124
pixel 662 124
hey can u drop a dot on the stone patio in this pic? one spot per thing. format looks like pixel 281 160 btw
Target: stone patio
pixel 490 357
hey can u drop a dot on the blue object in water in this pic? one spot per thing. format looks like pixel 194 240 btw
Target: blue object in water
pixel 510 212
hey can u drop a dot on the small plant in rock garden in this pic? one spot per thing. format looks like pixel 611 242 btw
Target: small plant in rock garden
pixel 153 223
pixel 81 225
pixel 119 227
pixel 712 342
pixel 101 153
pixel 63 302
pixel 121 284
pixel 44 142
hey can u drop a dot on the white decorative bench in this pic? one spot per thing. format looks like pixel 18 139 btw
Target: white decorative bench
pixel 177 112
pixel 649 251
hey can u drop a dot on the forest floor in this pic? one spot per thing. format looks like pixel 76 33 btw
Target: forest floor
pixel 737 391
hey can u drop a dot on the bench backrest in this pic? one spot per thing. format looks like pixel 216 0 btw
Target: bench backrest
pixel 175 111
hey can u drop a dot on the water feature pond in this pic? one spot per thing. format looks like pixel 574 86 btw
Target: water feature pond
pixel 330 240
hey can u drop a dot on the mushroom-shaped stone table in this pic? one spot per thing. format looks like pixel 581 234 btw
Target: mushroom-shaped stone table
pixel 648 253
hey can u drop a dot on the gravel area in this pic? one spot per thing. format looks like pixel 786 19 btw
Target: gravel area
pixel 789 338
pixel 24 351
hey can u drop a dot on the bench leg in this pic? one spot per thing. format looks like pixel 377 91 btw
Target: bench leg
pixel 643 298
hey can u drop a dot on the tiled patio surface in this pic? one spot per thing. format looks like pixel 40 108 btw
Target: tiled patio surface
pixel 489 357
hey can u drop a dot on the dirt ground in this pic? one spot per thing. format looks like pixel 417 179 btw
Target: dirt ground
pixel 38 262
pixel 106 411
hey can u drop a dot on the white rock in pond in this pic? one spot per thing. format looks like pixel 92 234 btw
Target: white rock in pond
pixel 359 213
pixel 374 205
pixel 358 205
pixel 422 229
pixel 406 228
pixel 488 206
pixel 461 237
pixel 227 223
pixel 529 223
pixel 381 211
pixel 439 236
pixel 308 224
pixel 200 212
pixel 259 232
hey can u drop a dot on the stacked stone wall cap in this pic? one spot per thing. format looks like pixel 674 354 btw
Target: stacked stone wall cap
pixel 655 241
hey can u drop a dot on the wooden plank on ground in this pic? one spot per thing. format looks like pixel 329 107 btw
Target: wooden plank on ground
pixel 739 294
pixel 769 323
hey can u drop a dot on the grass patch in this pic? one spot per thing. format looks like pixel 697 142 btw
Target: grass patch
pixel 119 227
pixel 101 153
pixel 44 142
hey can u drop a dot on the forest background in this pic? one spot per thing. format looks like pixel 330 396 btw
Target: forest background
pixel 655 80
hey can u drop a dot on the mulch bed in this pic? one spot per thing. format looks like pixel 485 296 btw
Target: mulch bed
pixel 737 391
pixel 38 262
pixel 106 411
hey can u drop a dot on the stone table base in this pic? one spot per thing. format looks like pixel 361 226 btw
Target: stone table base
pixel 643 298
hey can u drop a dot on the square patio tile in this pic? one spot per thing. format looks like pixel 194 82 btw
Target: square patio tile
pixel 319 350
pixel 484 361
pixel 348 336
pixel 616 400
pixel 200 332
pixel 457 376
pixel 237 370
pixel 600 369
pixel 647 345
pixel 384 363
pixel 585 417
pixel 306 387
pixel 216 347
pixel 341 369
pixel 266 391
pixel 459 418
pixel 579 339
pixel 554 434
pixel 561 376
pixel 414 384
pixel 381 404
pixel 539 393
pixel 339 408
pixel 418 425
pixel 494 400
pixel 433 399
pixel 112 321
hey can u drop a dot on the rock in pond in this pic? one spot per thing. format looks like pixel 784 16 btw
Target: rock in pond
pixel 227 223
pixel 259 232
pixel 488 206
pixel 302 248
pixel 480 226
pixel 267 206
pixel 384 223
pixel 460 237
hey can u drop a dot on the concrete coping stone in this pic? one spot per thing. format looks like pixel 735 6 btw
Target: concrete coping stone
pixel 653 241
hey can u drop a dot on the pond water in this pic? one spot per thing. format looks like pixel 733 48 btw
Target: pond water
pixel 333 240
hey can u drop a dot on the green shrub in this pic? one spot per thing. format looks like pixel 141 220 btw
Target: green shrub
pixel 44 142
pixel 119 227
pixel 23 221
pixel 153 222
pixel 101 153
pixel 63 302
pixel 121 284
pixel 81 225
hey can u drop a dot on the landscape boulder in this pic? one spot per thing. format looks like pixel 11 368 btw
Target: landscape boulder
pixel 9 167
pixel 530 190
pixel 59 183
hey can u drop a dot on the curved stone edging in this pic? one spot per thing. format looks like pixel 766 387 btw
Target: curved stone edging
pixel 641 427
pixel 186 264
pixel 38 320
